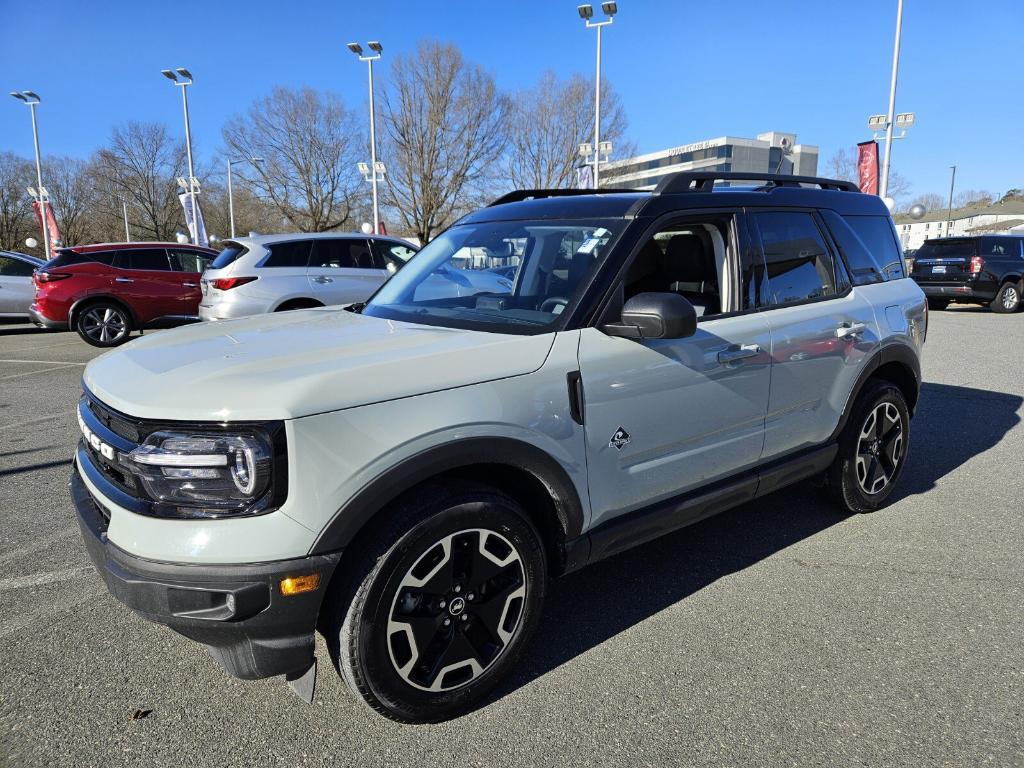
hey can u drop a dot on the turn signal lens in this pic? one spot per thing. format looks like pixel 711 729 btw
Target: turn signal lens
pixel 227 283
pixel 296 585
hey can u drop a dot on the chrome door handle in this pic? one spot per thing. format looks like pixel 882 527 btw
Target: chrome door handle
pixel 191 285
pixel 739 353
pixel 123 280
pixel 322 279
pixel 848 330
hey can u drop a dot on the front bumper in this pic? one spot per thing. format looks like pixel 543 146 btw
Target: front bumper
pixel 237 611
pixel 40 319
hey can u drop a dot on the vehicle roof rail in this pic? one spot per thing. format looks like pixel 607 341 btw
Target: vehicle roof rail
pixel 536 194
pixel 704 181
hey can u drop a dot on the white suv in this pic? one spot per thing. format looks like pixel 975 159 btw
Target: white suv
pixel 404 475
pixel 273 273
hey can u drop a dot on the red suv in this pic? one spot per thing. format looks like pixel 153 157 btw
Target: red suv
pixel 105 291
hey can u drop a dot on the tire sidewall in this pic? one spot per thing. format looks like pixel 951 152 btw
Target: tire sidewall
pixel 80 317
pixel 854 497
pixel 365 624
pixel 997 302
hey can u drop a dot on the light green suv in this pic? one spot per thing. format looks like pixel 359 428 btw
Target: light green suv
pixel 405 475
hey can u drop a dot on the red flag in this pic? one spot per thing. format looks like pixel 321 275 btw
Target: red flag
pixel 867 166
pixel 51 225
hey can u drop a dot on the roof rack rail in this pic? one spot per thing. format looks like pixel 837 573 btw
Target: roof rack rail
pixel 536 194
pixel 704 181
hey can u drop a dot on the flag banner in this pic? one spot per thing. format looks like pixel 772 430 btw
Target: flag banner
pixel 194 219
pixel 585 177
pixel 867 166
pixel 51 226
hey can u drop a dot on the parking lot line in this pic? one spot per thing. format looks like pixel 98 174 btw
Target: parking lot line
pixel 50 577
pixel 30 422
pixel 44 362
pixel 40 370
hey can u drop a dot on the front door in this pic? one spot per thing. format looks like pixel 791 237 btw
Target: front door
pixel 666 416
pixel 17 290
pixel 343 270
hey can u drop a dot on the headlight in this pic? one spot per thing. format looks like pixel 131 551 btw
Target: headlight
pixel 190 474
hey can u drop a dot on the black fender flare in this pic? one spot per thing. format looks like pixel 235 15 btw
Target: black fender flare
pixel 420 467
pixel 89 298
pixel 897 352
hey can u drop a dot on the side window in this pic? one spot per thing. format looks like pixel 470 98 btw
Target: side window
pixel 153 259
pixel 689 259
pixel 189 261
pixel 15 267
pixel 879 238
pixel 797 263
pixel 385 253
pixel 341 254
pixel 1000 246
pixel 294 254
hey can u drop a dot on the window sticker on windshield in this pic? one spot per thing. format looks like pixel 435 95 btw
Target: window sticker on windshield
pixel 593 241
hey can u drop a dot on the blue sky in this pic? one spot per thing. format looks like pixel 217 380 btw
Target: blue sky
pixel 686 70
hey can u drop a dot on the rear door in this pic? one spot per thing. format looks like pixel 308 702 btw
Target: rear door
pixel 143 277
pixel 344 270
pixel 16 288
pixel 822 331
pixel 189 265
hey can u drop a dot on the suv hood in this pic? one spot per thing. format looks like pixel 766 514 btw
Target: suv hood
pixel 298 363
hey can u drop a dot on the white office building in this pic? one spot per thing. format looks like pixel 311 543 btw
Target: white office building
pixel 999 218
pixel 772 152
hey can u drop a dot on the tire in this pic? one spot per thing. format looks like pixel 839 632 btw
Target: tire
pixel 104 324
pixel 464 564
pixel 938 305
pixel 868 465
pixel 1008 298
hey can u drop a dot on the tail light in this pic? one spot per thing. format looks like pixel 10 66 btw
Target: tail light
pixel 910 264
pixel 227 283
pixel 976 264
pixel 49 277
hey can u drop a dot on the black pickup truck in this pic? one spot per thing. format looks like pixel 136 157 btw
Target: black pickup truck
pixel 987 269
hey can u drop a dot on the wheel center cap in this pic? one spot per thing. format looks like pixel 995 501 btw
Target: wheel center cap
pixel 456 606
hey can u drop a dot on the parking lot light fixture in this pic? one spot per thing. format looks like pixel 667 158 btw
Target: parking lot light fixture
pixel 884 180
pixel 586 13
pixel 378 49
pixel 32 99
pixel 184 83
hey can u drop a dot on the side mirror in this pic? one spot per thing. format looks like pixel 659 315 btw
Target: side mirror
pixel 655 316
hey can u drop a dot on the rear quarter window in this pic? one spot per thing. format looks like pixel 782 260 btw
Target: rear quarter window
pixel 231 253
pixel 868 245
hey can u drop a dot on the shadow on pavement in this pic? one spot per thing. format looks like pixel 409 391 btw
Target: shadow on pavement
pixel 952 425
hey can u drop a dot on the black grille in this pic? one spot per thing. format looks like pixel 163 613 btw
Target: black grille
pixel 112 472
pixel 116 423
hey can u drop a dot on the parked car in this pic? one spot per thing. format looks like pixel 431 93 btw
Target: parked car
pixel 986 269
pixel 275 273
pixel 404 475
pixel 106 291
pixel 16 287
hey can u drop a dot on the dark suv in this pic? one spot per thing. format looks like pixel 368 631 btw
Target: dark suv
pixel 976 270
pixel 105 291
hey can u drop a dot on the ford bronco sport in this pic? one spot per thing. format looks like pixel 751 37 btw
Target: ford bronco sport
pixel 404 475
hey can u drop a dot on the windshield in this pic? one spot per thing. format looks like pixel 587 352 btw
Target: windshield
pixel 504 277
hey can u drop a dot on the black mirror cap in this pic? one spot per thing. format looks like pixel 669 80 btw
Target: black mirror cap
pixel 656 316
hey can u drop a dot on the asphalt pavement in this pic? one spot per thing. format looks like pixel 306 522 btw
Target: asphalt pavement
pixel 780 633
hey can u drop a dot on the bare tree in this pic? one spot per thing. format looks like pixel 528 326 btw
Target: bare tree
pixel 843 165
pixel 73 196
pixel 443 122
pixel 547 124
pixel 140 166
pixel 972 197
pixel 17 220
pixel 310 143
pixel 932 201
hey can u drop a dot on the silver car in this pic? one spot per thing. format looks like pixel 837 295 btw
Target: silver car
pixel 273 273
pixel 17 291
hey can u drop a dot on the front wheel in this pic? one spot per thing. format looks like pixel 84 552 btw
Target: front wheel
pixel 441 605
pixel 872 449
pixel 1007 300
pixel 104 324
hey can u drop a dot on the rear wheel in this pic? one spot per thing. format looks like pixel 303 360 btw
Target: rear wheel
pixel 104 324
pixel 872 449
pixel 298 304
pixel 938 304
pixel 441 604
pixel 1007 300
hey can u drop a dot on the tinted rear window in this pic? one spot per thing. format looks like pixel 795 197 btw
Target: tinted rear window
pixel 292 254
pixel 228 255
pixel 152 259
pixel 1000 246
pixel 946 249
pixel 70 258
pixel 879 237
pixel 798 264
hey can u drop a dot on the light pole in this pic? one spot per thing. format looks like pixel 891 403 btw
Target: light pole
pixel 184 83
pixel 231 194
pixel 32 99
pixel 949 210
pixel 124 210
pixel 884 185
pixel 586 13
pixel 357 49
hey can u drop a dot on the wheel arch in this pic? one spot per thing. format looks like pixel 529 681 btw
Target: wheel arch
pixel 93 298
pixel 299 302
pixel 897 363
pixel 518 469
